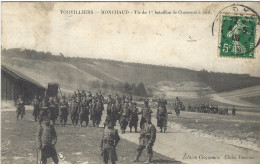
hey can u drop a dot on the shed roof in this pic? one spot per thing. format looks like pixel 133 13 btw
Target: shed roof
pixel 18 75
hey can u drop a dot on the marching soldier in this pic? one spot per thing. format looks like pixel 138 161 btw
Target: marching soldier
pixel 146 112
pixel 162 116
pixel 20 108
pixel 134 117
pixel 44 109
pixel 64 110
pixel 35 108
pixel 112 111
pixel 125 116
pixel 146 140
pixel 109 142
pixel 52 109
pixel 47 139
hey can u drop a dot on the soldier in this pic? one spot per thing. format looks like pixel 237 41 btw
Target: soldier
pixel 52 109
pixel 233 111
pixel 125 116
pixel 109 142
pixel 112 111
pixel 44 109
pixel 146 140
pixel 35 108
pixel 134 117
pixel 92 107
pixel 146 112
pixel 162 116
pixel 99 109
pixel 64 110
pixel 20 108
pixel 47 139
pixel 84 111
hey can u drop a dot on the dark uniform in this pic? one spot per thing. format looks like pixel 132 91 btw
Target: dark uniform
pixel 146 140
pixel 109 142
pixel 162 116
pixel 35 108
pixel 146 112
pixel 125 116
pixel 52 110
pixel 134 117
pixel 47 139
pixel 112 111
pixel 44 110
pixel 20 108
pixel 64 111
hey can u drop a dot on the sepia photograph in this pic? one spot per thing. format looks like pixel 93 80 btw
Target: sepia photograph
pixel 130 82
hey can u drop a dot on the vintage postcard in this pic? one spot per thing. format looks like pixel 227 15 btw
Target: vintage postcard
pixel 130 82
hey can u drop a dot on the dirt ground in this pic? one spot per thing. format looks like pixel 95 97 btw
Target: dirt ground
pixel 79 145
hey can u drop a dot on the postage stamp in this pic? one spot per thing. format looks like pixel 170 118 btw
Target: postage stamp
pixel 237 36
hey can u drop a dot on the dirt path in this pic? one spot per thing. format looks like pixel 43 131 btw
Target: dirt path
pixel 188 148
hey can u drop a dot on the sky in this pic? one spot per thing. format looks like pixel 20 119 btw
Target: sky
pixel 180 40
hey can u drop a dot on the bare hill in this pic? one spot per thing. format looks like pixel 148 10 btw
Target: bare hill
pixel 75 73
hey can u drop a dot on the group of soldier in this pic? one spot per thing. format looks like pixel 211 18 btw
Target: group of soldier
pixel 80 105
pixel 214 109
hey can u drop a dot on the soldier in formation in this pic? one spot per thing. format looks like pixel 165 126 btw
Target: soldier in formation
pixel 162 115
pixel 63 111
pixel 146 112
pixel 36 108
pixel 20 108
pixel 133 117
pixel 125 116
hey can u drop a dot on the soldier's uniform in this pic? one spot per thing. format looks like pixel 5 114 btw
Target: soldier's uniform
pixel 52 110
pixel 47 139
pixel 112 111
pixel 109 142
pixel 20 108
pixel 44 110
pixel 162 116
pixel 146 140
pixel 125 116
pixel 134 117
pixel 146 112
pixel 35 108
pixel 64 111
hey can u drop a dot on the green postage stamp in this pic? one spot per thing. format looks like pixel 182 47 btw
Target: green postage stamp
pixel 237 37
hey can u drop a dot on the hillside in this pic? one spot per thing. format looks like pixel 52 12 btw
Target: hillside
pixel 75 73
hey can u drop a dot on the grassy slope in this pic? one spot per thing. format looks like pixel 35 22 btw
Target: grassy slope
pixel 74 73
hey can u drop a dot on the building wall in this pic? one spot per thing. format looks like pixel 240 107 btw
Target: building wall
pixel 11 88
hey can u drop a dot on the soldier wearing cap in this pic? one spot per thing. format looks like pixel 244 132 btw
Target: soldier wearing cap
pixel 35 108
pixel 63 111
pixel 47 139
pixel 44 109
pixel 146 140
pixel 109 142
pixel 134 117
pixel 125 116
pixel 20 108
pixel 146 112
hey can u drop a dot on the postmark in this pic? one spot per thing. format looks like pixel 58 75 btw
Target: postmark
pixel 237 31
pixel 237 37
